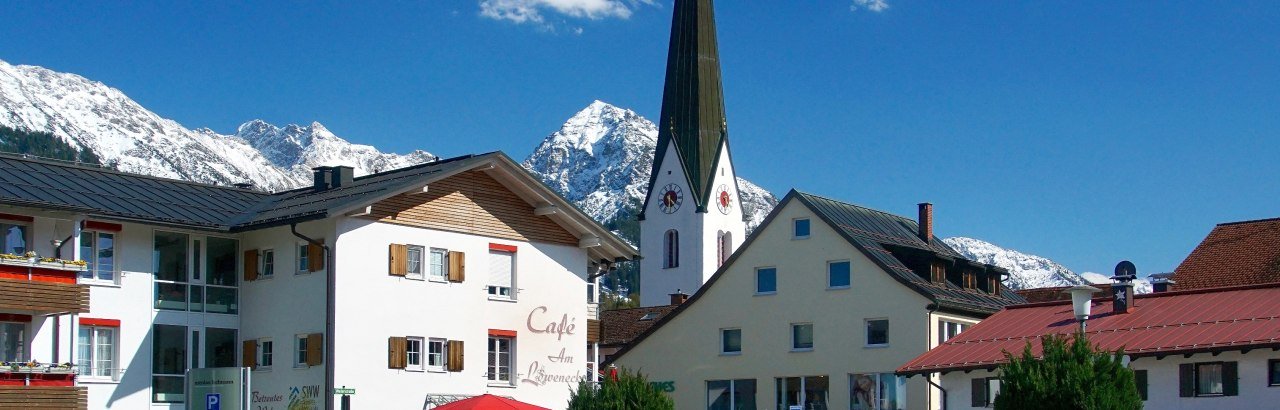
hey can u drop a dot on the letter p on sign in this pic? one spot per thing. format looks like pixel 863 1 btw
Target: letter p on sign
pixel 213 401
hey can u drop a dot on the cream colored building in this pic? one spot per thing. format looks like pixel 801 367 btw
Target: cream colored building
pixel 817 309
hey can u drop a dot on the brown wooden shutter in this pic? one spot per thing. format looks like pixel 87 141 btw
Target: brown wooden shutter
pixel 457 266
pixel 250 265
pixel 315 256
pixel 315 351
pixel 978 392
pixel 1186 380
pixel 454 362
pixel 399 263
pixel 396 346
pixel 1230 379
pixel 249 354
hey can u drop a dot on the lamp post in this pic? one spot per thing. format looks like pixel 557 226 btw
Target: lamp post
pixel 1081 298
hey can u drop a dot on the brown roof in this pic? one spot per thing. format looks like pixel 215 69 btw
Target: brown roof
pixel 1235 253
pixel 1037 295
pixel 621 326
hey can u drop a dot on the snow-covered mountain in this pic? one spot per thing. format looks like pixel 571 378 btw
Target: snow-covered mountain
pixel 90 115
pixel 601 159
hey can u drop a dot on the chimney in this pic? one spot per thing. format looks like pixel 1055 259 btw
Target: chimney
pixel 1122 290
pixel 678 297
pixel 926 222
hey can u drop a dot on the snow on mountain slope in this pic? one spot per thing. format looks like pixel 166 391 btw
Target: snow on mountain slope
pixel 90 115
pixel 601 159
pixel 1026 271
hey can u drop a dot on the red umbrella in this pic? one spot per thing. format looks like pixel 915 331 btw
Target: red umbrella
pixel 489 401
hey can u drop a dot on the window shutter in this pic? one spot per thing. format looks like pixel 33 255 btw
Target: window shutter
pixel 1230 379
pixel 978 393
pixel 315 256
pixel 314 350
pixel 457 266
pixel 1140 379
pixel 250 265
pixel 396 346
pixel 399 264
pixel 454 362
pixel 501 266
pixel 1186 380
pixel 249 354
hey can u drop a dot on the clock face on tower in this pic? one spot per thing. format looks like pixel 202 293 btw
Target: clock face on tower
pixel 672 197
pixel 724 201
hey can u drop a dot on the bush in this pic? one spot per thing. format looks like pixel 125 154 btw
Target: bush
pixel 1074 376
pixel 630 391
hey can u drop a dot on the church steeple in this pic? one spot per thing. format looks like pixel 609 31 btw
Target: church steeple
pixel 692 100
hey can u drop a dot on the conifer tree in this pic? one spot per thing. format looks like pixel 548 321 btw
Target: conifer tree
pixel 1069 376
pixel 627 392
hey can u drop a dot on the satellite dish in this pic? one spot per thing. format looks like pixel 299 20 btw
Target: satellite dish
pixel 1125 271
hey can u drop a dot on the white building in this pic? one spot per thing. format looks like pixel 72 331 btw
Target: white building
pixel 818 308
pixel 1195 349
pixel 414 286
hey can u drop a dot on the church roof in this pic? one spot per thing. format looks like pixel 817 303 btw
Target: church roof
pixel 693 100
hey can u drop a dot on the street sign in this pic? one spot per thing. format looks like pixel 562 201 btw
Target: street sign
pixel 343 391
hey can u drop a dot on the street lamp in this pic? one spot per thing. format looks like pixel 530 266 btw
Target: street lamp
pixel 1081 298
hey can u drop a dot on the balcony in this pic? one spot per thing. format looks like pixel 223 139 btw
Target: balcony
pixel 41 285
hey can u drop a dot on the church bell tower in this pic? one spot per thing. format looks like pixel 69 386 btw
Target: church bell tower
pixel 692 219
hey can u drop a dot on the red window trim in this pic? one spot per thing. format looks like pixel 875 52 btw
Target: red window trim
pixel 12 317
pixel 101 226
pixel 88 321
pixel 19 218
pixel 502 333
pixel 502 248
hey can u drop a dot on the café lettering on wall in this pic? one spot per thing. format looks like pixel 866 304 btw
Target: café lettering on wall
pixel 556 367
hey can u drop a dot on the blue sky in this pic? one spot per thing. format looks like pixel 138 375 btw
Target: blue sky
pixel 1086 132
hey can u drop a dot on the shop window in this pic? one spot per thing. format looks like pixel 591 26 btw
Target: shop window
pixel 730 341
pixel 671 249
pixel 97 250
pixel 502 271
pixel 801 336
pixel 1208 379
pixel 15 238
pixel 877 391
pixel 96 355
pixel 13 342
pixel 877 332
pixel 731 394
pixel 838 274
pixel 800 228
pixel 500 359
pixel 806 392
pixel 766 281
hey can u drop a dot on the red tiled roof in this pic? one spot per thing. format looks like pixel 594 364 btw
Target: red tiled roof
pixel 1038 295
pixel 621 326
pixel 1158 324
pixel 1236 253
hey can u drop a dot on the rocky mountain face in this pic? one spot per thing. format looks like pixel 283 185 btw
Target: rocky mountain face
pixel 601 159
pixel 89 115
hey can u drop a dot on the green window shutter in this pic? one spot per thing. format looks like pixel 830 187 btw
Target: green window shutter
pixel 1230 379
pixel 978 393
pixel 1140 379
pixel 1186 380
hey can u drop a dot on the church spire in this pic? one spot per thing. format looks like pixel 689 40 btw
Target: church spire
pixel 692 100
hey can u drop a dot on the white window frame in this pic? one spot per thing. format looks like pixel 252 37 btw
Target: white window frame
pixel 266 354
pixel 795 224
pixel 495 356
pixel 441 357
pixel 267 260
pixel 867 329
pixel 724 339
pixel 300 351
pixel 93 277
pixel 409 353
pixel 444 265
pixel 93 372
pixel 794 346
pixel 410 266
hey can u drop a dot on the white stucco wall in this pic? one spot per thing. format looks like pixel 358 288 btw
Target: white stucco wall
pixel 687 349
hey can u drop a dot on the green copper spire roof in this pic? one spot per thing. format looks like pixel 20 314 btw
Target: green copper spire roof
pixel 693 99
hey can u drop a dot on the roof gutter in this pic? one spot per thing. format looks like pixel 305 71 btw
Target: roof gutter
pixel 329 312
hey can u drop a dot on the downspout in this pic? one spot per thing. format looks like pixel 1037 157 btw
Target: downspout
pixel 328 312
